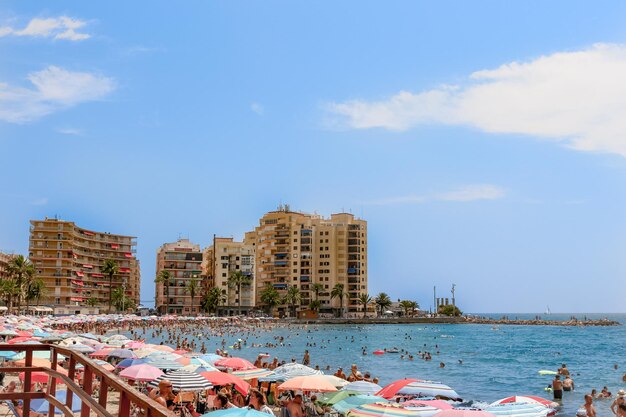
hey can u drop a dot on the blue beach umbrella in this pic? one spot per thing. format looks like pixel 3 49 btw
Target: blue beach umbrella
pixel 126 363
pixel 42 406
pixel 363 387
pixel 236 412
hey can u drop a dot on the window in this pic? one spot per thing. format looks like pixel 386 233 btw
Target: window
pixel 224 274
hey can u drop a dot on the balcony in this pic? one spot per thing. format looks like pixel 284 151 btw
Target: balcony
pixel 129 397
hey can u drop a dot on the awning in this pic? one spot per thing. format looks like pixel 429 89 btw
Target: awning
pixel 89 233
pixel 128 255
pixel 80 283
pixel 97 275
pixel 114 246
pixel 87 266
pixel 76 299
pixel 124 269
pixel 80 273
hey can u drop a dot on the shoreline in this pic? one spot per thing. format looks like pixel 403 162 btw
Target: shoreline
pixel 458 320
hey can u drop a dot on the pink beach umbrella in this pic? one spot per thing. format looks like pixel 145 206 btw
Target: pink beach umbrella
pixel 527 399
pixel 142 372
pixel 442 405
pixel 237 364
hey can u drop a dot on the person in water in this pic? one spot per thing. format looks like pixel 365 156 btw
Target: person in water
pixel 619 401
pixel 568 384
pixel 590 410
pixel 557 388
pixel 563 370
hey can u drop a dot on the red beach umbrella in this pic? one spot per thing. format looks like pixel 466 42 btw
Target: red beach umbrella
pixel 237 364
pixel 392 389
pixel 222 378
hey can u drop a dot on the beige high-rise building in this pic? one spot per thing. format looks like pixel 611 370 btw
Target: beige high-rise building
pixel 69 259
pixel 183 260
pixel 223 258
pixel 299 249
pixel 5 258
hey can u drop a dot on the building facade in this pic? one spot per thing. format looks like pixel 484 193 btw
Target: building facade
pixel 183 260
pixel 69 259
pixel 223 258
pixel 299 249
pixel 5 258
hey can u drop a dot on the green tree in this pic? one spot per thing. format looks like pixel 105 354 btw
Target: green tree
pixel 315 305
pixel 382 302
pixel 92 301
pixel 338 292
pixel 164 277
pixel 270 297
pixel 9 291
pixel 110 268
pixel 293 298
pixel 237 279
pixel 212 300
pixel 406 306
pixel 317 288
pixel 120 300
pixel 365 300
pixel 37 290
pixel 192 288
pixel 22 271
pixel 449 310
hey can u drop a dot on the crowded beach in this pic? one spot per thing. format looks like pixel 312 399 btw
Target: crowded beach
pixel 182 375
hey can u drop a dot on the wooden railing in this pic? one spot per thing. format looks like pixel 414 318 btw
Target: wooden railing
pixel 129 397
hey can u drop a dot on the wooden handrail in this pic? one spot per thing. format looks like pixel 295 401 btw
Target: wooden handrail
pixel 128 394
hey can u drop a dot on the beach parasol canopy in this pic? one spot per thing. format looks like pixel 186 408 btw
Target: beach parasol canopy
pixel 42 406
pixel 254 373
pixel 291 370
pixel 363 387
pixel 209 357
pixel 336 381
pixel 41 377
pixel 392 389
pixel 354 401
pixel 235 412
pixel 519 410
pixel 222 378
pixel 331 398
pixel 199 369
pixel 442 405
pixel 314 383
pixel 130 362
pixel 466 412
pixel 528 399
pixel 164 364
pixel 184 381
pixel 122 353
pixel 391 410
pixel 428 389
pixel 141 372
pixel 234 363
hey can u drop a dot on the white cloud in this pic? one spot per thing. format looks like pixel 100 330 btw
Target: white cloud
pixel 257 108
pixel 62 27
pixel 575 98
pixel 70 131
pixel 474 192
pixel 54 89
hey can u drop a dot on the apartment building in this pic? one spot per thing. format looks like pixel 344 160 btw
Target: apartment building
pixel 224 257
pixel 70 259
pixel 5 258
pixel 300 249
pixel 183 260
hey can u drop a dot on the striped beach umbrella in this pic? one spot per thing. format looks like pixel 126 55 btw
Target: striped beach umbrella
pixel 255 373
pixel 428 389
pixel 234 363
pixel 528 399
pixel 292 370
pixel 363 387
pixel 223 378
pixel 199 369
pixel 164 364
pixel 313 383
pixel 184 381
pixel 464 412
pixel 391 410
pixel 354 401
pixel 519 410
pixel 331 398
pixel 442 405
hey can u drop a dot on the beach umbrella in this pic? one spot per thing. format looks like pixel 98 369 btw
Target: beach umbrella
pixel 130 362
pixel 315 383
pixel 331 398
pixel 40 333
pixel 143 352
pixel 465 412
pixel 36 362
pixel 234 363
pixel 135 344
pixel 199 369
pixel 79 347
pixel 42 406
pixel 209 357
pixel 235 412
pixel 164 364
pixel 223 378
pixel 392 389
pixel 89 336
pixel 104 364
pixel 8 332
pixel 363 387
pixel 101 353
pixel 428 389
pixel 186 360
pixel 528 399
pixel 354 401
pixel 41 377
pixel 163 348
pixel 519 410
pixel 141 372
pixel 19 339
pixel 391 410
pixel 10 354
pixel 442 405
pixel 115 337
pixel 336 381
pixel 184 381
pixel 122 353
pixel 292 370
pixel 254 373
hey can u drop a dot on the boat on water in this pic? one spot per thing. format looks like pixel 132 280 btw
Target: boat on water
pixel 548 312
pixel 392 350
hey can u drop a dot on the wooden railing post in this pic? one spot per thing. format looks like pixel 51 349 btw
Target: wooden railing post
pixel 87 387
pixel 52 381
pixel 124 410
pixel 104 392
pixel 71 373
pixel 27 383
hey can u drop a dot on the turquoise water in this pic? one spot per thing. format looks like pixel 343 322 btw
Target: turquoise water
pixel 497 362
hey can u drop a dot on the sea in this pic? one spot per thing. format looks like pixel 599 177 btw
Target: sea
pixel 483 363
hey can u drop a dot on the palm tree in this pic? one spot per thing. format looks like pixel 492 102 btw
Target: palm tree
pixel 338 292
pixel 365 299
pixel 315 305
pixel 164 277
pixel 407 305
pixel 191 289
pixel 118 298
pixel 22 271
pixel 293 298
pixel 92 301
pixel 9 291
pixel 37 290
pixel 212 299
pixel 317 288
pixel 110 268
pixel 236 280
pixel 270 297
pixel 383 302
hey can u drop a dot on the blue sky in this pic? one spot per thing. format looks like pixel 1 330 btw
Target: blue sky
pixel 483 141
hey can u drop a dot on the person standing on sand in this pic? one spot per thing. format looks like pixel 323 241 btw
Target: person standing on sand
pixel 557 388
pixel 588 406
